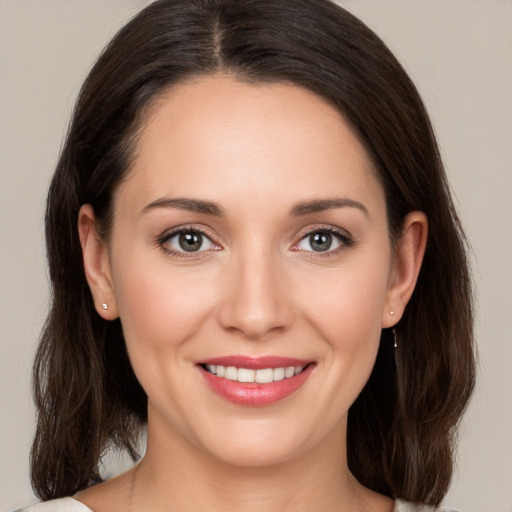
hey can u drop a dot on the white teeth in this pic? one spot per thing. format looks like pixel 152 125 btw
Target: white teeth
pixel 231 373
pixel 245 375
pixel 278 373
pixel 289 372
pixel 262 376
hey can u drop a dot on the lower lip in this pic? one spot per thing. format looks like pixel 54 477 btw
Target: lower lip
pixel 255 394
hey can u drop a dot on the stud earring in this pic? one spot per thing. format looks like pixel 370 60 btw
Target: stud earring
pixel 391 312
pixel 104 306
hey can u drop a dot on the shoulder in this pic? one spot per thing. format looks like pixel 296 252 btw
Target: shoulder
pixel 403 506
pixel 60 505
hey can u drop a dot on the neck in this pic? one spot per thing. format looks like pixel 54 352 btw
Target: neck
pixel 176 475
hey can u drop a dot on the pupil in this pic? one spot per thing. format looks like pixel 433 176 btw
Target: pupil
pixel 321 241
pixel 190 242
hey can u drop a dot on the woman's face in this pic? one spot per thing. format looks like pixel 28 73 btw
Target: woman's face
pixel 250 234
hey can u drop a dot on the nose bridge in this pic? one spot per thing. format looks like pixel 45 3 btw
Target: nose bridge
pixel 256 299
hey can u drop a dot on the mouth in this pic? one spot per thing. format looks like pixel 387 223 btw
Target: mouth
pixel 255 381
pixel 248 375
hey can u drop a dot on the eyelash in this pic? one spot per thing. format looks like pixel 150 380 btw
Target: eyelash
pixel 344 239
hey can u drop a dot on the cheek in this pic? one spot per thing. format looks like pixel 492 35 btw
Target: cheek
pixel 345 308
pixel 347 303
pixel 351 325
pixel 160 306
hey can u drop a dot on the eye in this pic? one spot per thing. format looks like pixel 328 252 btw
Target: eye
pixel 187 241
pixel 323 240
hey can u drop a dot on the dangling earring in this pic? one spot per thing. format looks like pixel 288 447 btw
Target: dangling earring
pixel 104 306
pixel 395 339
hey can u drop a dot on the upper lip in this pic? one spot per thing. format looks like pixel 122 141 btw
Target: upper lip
pixel 255 363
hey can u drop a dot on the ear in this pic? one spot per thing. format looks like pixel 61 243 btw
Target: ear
pixel 406 266
pixel 96 264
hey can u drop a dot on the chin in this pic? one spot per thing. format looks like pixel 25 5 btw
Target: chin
pixel 257 443
pixel 254 455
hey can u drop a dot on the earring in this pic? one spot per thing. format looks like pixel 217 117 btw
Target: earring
pixel 395 339
pixel 104 306
pixel 391 312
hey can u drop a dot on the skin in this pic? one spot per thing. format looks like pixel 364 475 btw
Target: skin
pixel 258 288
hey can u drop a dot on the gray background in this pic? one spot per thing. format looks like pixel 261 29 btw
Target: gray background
pixel 459 52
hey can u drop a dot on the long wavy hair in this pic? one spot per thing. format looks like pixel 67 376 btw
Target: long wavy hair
pixel 402 427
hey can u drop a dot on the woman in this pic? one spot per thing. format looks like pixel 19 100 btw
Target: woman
pixel 268 272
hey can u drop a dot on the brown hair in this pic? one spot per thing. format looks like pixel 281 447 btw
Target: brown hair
pixel 402 426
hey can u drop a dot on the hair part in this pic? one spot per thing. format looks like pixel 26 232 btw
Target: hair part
pixel 402 427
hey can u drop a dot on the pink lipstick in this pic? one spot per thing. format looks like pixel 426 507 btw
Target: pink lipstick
pixel 255 381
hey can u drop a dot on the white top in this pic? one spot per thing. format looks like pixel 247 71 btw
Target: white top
pixel 60 505
pixel 72 505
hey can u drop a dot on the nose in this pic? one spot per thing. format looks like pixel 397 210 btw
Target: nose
pixel 256 296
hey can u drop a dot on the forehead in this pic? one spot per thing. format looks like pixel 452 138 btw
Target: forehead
pixel 218 133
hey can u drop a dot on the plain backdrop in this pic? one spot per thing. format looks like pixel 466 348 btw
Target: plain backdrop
pixel 459 53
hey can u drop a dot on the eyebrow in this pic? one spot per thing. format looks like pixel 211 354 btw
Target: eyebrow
pixel 192 205
pixel 209 208
pixel 320 205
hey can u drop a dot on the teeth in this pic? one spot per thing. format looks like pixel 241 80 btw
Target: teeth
pixel 289 372
pixel 278 373
pixel 263 376
pixel 231 373
pixel 245 375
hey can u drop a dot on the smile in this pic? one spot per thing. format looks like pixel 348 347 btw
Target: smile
pixel 255 381
pixel 262 376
